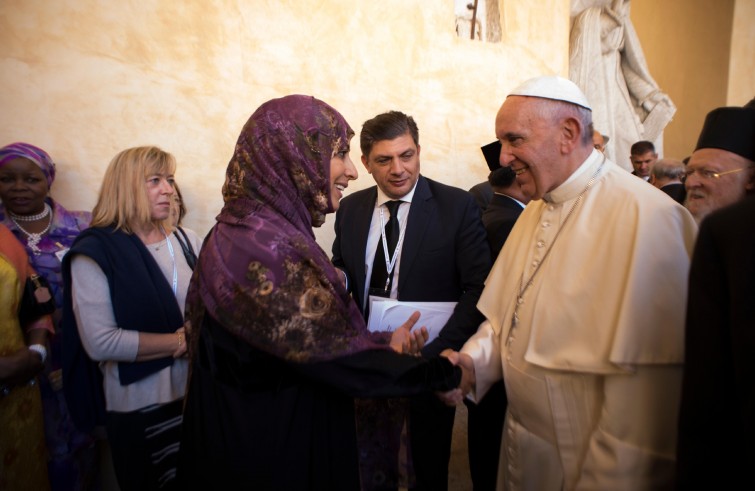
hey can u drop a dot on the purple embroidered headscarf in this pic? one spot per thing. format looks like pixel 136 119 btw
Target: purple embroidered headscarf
pixel 261 274
pixel 29 152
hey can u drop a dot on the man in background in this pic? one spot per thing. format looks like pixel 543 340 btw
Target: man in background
pixel 482 193
pixel 716 430
pixel 599 141
pixel 667 175
pixel 643 156
pixel 509 199
pixel 720 171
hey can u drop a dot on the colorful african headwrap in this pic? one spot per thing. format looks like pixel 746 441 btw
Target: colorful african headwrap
pixel 29 152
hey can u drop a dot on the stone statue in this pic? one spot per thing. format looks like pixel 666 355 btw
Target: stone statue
pixel 606 61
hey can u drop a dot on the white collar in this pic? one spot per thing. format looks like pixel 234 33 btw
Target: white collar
pixel 510 197
pixel 382 198
pixel 577 181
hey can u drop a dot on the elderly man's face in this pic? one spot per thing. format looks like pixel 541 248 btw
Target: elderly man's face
pixel 707 193
pixel 530 146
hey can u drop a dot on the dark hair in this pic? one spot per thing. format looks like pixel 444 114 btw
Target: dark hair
pixel 386 126
pixel 642 147
pixel 502 177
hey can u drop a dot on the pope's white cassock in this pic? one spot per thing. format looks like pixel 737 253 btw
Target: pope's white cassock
pixel 593 366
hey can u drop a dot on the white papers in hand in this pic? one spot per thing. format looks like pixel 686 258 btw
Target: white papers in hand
pixel 387 314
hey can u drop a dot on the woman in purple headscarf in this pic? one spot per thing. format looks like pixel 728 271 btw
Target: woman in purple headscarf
pixel 279 349
pixel 47 230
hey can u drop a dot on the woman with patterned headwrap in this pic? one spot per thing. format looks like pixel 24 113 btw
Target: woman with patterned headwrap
pixel 279 349
pixel 46 230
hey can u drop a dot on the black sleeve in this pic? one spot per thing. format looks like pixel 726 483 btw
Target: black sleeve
pixel 707 448
pixel 369 373
pixel 472 268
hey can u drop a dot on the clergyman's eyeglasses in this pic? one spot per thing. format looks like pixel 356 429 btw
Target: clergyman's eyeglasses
pixel 709 174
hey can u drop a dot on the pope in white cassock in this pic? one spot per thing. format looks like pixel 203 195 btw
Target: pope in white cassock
pixel 584 306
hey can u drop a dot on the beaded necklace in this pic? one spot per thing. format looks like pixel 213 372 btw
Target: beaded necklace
pixel 31 218
pixel 33 238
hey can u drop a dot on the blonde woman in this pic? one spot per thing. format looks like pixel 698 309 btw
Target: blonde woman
pixel 126 282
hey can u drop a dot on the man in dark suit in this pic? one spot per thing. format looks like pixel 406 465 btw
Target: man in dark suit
pixel 507 204
pixel 667 175
pixel 440 255
pixel 482 193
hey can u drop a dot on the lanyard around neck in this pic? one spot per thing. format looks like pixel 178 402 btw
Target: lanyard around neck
pixel 173 258
pixel 390 264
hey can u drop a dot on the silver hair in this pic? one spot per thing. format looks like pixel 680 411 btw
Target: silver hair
pixel 668 168
pixel 556 110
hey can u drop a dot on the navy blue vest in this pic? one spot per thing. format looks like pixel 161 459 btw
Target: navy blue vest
pixel 142 300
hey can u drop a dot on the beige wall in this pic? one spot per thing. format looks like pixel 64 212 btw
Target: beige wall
pixel 85 79
pixel 687 45
pixel 742 67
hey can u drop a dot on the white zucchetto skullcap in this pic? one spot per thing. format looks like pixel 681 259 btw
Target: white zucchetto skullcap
pixel 553 87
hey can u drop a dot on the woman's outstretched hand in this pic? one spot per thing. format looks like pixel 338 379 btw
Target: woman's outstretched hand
pixel 407 341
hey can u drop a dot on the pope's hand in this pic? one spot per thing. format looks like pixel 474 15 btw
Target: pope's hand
pixel 463 361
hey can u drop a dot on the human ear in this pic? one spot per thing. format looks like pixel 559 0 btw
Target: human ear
pixel 571 133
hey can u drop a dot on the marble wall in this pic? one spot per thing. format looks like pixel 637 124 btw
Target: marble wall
pixel 742 67
pixel 701 54
pixel 85 79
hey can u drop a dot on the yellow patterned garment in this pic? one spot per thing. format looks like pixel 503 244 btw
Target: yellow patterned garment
pixel 23 455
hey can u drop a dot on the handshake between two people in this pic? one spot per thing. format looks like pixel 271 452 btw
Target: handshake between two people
pixel 407 341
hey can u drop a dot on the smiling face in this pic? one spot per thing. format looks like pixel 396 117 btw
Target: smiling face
pixel 394 164
pixel 707 194
pixel 531 145
pixel 23 187
pixel 160 195
pixel 342 171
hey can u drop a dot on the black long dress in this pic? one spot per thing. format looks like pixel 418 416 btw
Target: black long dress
pixel 717 413
pixel 254 421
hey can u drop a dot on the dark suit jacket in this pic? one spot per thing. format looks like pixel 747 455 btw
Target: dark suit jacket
pixel 675 190
pixel 445 257
pixel 499 218
pixel 482 193
pixel 716 446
